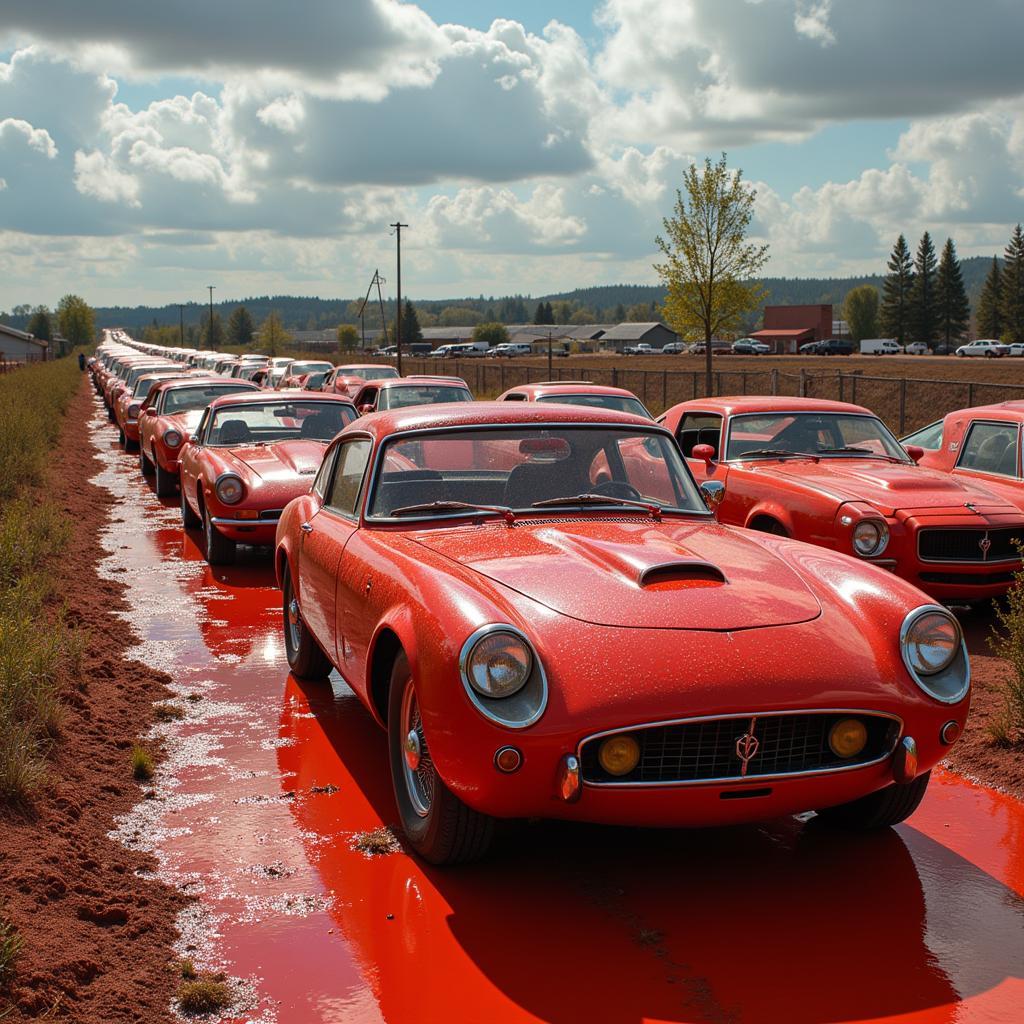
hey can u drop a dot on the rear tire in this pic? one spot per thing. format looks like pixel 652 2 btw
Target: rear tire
pixel 165 482
pixel 219 550
pixel 145 465
pixel 122 440
pixel 882 809
pixel 189 520
pixel 437 824
pixel 306 658
pixel 129 444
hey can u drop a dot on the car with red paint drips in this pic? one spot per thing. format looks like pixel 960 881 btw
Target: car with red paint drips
pixel 832 474
pixel 538 604
pixel 248 457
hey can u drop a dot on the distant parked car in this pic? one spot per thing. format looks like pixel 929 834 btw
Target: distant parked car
pixel 809 348
pixel 674 348
pixel 722 348
pixel 750 347
pixel 917 348
pixel 880 347
pixel 512 348
pixel 642 349
pixel 987 347
pixel 835 347
pixel 1017 349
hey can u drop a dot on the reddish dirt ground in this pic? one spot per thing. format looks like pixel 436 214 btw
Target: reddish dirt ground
pixel 96 935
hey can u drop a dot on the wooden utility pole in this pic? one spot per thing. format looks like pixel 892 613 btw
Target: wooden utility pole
pixel 398 225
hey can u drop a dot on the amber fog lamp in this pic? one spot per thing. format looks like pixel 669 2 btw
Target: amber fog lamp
pixel 950 733
pixel 848 737
pixel 619 755
pixel 508 760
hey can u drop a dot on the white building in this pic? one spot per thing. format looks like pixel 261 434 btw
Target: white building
pixel 20 347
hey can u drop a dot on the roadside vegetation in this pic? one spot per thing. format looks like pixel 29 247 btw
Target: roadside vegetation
pixel 1007 641
pixel 37 650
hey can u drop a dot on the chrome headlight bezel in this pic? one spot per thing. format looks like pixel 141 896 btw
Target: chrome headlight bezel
pixel 172 438
pixel 229 478
pixel 518 709
pixel 950 683
pixel 881 537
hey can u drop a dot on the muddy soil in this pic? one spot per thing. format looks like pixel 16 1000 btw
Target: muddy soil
pixel 97 931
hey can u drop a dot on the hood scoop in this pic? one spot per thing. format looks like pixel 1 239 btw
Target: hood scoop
pixel 688 572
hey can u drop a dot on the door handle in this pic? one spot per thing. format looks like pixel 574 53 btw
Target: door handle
pixel 306 527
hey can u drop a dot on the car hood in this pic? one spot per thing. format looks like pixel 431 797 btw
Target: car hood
pixel 282 460
pixel 892 487
pixel 186 421
pixel 677 574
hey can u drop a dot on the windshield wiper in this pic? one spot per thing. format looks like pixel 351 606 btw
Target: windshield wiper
pixel 853 450
pixel 456 506
pixel 598 499
pixel 780 453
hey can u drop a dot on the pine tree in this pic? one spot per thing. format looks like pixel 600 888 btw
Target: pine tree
pixel 539 316
pixel 40 325
pixel 549 313
pixel 411 330
pixel 212 338
pixel 950 295
pixel 1013 289
pixel 990 313
pixel 619 315
pixel 924 314
pixel 240 326
pixel 894 316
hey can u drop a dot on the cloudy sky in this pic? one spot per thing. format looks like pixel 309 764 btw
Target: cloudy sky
pixel 531 145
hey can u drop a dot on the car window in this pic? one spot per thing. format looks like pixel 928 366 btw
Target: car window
pixel 699 428
pixel 990 448
pixel 620 403
pixel 351 463
pixel 824 434
pixel 517 397
pixel 422 394
pixel 929 437
pixel 277 420
pixel 323 474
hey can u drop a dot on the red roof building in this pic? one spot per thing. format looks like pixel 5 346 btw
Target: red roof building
pixel 786 328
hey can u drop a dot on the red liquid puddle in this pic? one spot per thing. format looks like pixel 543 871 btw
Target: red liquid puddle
pixel 270 780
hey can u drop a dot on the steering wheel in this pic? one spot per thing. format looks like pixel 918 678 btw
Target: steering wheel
pixel 616 489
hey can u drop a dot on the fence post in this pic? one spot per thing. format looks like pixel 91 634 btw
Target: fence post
pixel 718 382
pixel 615 376
pixel 693 385
pixel 970 394
pixel 853 386
pixel 502 368
pixel 803 383
pixel 842 391
pixel 903 404
pixel 664 390
pixel 775 380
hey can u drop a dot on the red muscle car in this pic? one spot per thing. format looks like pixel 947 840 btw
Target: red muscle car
pixel 171 412
pixel 578 392
pixel 249 456
pixel 400 392
pixel 832 474
pixel 550 625
pixel 128 403
pixel 348 379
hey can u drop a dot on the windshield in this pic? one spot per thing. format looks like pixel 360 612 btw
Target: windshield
pixel 144 385
pixel 369 372
pixel 520 466
pixel 263 422
pixel 620 403
pixel 825 434
pixel 422 394
pixel 298 369
pixel 188 399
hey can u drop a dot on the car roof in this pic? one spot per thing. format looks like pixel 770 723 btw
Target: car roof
pixel 736 405
pixel 573 388
pixel 421 380
pixel 365 366
pixel 1012 410
pixel 472 414
pixel 261 397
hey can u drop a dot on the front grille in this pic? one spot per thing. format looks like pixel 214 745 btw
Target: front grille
pixel 706 750
pixel 271 513
pixel 972 578
pixel 969 545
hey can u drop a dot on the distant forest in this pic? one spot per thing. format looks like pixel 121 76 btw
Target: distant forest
pixel 602 304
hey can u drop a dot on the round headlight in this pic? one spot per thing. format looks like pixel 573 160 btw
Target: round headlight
pixel 133 409
pixel 229 489
pixel 499 665
pixel 931 642
pixel 870 537
pixel 172 439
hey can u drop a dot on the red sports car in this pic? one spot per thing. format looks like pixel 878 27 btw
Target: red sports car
pixel 832 474
pixel 347 380
pixel 171 412
pixel 128 403
pixel 549 623
pixel 577 392
pixel 401 392
pixel 249 456
pixel 297 370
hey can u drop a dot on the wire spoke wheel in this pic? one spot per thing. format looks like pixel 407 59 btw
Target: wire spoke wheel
pixel 418 769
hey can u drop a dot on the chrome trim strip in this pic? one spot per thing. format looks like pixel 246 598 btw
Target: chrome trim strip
pixel 738 779
pixel 219 521
pixel 905 629
pixel 467 647
pixel 980 531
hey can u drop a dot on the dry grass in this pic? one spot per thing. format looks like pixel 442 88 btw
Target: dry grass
pixel 203 996
pixel 1007 641
pixel 142 764
pixel 376 843
pixel 10 948
pixel 168 712
pixel 37 650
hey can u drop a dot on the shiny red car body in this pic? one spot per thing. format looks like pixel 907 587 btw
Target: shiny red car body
pixel 298 370
pixel 164 426
pixel 270 472
pixel 346 380
pixel 397 392
pixel 941 530
pixel 640 618
pixel 594 396
pixel 128 403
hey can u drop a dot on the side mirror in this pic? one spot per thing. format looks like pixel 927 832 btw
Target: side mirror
pixel 194 439
pixel 704 452
pixel 151 411
pixel 713 492
pixel 916 452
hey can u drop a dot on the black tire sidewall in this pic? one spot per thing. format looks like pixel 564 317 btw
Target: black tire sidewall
pixel 421 832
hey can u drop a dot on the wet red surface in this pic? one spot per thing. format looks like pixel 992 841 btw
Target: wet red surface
pixel 270 782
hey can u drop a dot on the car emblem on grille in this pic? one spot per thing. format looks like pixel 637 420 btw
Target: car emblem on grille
pixel 747 747
pixel 985 544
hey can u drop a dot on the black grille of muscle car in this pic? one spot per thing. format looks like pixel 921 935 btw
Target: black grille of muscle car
pixel 969 545
pixel 272 513
pixel 709 750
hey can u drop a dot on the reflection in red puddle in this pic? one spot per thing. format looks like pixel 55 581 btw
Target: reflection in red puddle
pixel 783 923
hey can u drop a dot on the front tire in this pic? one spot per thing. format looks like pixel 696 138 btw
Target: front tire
pixel 165 482
pixel 437 824
pixel 145 465
pixel 306 658
pixel 189 520
pixel 882 809
pixel 219 550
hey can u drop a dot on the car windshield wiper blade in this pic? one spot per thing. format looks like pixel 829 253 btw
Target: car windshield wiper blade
pixel 598 499
pixel 853 450
pixel 455 506
pixel 779 453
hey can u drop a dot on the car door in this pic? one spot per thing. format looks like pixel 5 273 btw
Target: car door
pixel 189 467
pixel 330 527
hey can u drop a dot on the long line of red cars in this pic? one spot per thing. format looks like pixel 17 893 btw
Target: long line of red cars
pixel 560 607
